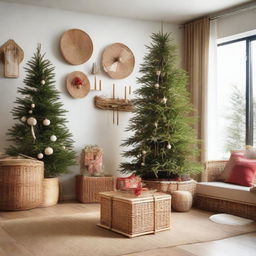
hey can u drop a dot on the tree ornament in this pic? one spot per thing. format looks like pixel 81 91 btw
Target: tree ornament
pixel 42 82
pixel 33 105
pixel 164 100
pixel 48 151
pixel 40 156
pixel 144 152
pixel 158 72
pixel 53 138
pixel 23 119
pixel 169 146
pixel 157 85
pixel 30 112
pixel 32 122
pixel 46 122
pixel 142 164
pixel 156 124
pixel 63 147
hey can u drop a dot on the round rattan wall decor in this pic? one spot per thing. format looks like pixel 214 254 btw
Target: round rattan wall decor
pixel 118 61
pixel 78 84
pixel 76 46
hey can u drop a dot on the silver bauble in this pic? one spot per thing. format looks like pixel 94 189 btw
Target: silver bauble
pixel 48 151
pixel 46 122
pixel 40 156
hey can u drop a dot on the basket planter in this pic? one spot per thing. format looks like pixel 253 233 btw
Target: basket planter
pixel 170 186
pixel 88 188
pixel 50 194
pixel 21 182
pixel 135 216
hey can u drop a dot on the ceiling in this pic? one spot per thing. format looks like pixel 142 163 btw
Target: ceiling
pixel 171 11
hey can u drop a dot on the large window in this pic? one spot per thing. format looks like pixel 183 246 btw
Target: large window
pixel 235 112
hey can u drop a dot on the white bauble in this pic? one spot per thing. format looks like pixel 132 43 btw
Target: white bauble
pixel 156 124
pixel 31 121
pixel 157 86
pixel 169 146
pixel 30 111
pixel 144 152
pixel 53 138
pixel 158 72
pixel 42 82
pixel 164 100
pixel 40 156
pixel 63 147
pixel 46 122
pixel 33 105
pixel 142 164
pixel 23 119
pixel 48 151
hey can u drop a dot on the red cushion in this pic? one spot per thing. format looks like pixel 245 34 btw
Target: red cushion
pixel 229 165
pixel 243 172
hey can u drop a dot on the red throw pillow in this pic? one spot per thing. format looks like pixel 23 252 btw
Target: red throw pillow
pixel 229 165
pixel 243 172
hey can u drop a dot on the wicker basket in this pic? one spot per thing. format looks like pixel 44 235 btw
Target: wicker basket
pixel 20 183
pixel 135 216
pixel 88 188
pixel 170 186
pixel 50 194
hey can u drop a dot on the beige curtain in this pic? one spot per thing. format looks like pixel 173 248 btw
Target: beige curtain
pixel 196 47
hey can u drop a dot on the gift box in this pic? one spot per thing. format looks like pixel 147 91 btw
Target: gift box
pixel 128 183
pixel 91 161
pixel 133 216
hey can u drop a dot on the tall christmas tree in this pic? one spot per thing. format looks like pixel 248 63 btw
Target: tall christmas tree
pixel 163 144
pixel 41 131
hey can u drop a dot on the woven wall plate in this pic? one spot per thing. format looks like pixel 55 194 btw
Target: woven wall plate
pixel 74 90
pixel 76 46
pixel 118 61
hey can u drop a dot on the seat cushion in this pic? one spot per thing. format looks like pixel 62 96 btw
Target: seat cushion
pixel 225 191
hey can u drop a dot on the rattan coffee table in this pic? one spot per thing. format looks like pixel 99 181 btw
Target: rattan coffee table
pixel 135 216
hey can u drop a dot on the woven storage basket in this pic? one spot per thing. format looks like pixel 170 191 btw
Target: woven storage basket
pixel 20 183
pixel 170 186
pixel 135 216
pixel 88 188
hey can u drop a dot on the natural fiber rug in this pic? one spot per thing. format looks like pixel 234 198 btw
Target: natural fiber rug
pixel 78 235
pixel 228 219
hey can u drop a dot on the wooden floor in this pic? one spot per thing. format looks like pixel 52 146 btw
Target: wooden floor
pixel 243 245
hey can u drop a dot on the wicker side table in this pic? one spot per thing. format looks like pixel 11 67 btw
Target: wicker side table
pixel 181 200
pixel 88 188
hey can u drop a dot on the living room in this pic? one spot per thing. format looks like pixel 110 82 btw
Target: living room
pixel 127 127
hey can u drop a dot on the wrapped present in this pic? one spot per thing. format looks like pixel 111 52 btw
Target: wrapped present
pixel 132 182
pixel 91 161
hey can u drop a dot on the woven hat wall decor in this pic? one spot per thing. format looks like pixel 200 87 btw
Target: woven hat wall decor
pixel 76 46
pixel 118 61
pixel 78 84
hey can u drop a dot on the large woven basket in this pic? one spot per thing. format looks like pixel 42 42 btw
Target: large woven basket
pixel 171 186
pixel 88 188
pixel 21 183
pixel 135 216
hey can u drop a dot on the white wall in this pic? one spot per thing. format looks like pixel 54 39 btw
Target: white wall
pixel 30 25
pixel 236 24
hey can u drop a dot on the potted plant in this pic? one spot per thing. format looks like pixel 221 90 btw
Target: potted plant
pixel 163 146
pixel 41 131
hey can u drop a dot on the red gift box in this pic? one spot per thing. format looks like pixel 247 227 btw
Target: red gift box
pixel 132 182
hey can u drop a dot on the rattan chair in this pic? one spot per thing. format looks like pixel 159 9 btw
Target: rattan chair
pixel 217 204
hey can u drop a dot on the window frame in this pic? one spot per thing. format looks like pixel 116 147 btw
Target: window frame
pixel 248 87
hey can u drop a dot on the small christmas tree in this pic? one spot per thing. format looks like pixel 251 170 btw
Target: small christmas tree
pixel 41 132
pixel 163 144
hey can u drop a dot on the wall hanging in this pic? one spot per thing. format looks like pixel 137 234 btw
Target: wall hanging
pixel 76 46
pixel 115 104
pixel 11 55
pixel 95 71
pixel 78 84
pixel 118 61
